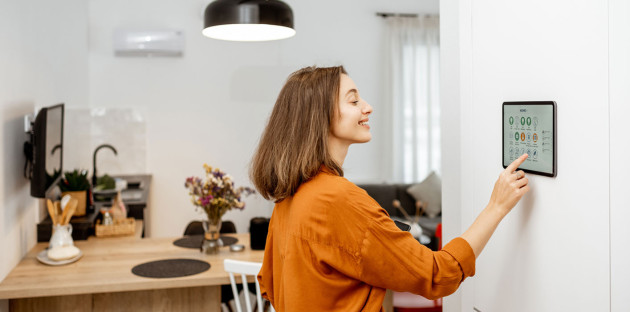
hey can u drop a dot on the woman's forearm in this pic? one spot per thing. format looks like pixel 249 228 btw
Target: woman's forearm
pixel 508 190
pixel 478 234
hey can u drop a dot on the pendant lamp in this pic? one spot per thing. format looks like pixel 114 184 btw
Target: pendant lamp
pixel 248 20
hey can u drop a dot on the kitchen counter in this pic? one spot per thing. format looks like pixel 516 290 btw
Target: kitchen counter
pixel 102 280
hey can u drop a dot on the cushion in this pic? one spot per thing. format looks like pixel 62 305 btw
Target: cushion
pixel 429 192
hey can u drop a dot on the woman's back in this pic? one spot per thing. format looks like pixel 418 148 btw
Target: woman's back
pixel 333 248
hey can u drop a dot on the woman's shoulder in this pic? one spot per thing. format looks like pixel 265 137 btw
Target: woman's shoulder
pixel 338 197
pixel 329 209
pixel 329 184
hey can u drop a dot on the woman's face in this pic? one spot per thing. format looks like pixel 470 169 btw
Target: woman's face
pixel 350 125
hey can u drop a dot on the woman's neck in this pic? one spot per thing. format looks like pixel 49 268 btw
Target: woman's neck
pixel 338 150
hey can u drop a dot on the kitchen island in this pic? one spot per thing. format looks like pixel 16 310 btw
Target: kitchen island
pixel 102 280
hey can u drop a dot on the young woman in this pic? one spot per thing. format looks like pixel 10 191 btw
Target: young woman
pixel 330 246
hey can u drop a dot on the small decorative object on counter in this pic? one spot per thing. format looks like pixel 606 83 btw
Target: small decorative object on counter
pixel 258 228
pixel 111 227
pixel 215 195
pixel 107 217
pixel 61 246
pixel 76 184
pixel 118 210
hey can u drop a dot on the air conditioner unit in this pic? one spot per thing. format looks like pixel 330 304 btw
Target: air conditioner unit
pixel 148 43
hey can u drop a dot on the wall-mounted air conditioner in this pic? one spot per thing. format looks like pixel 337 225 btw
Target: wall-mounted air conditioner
pixel 148 43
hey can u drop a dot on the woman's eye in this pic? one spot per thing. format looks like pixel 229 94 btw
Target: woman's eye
pixel 355 102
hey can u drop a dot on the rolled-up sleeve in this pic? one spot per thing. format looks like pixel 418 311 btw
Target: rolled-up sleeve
pixel 393 259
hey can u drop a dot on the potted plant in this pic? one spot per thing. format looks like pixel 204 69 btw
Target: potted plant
pixel 76 184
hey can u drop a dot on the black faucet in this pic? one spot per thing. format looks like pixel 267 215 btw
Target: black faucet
pixel 94 160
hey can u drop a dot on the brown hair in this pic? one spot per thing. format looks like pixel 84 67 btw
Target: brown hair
pixel 294 144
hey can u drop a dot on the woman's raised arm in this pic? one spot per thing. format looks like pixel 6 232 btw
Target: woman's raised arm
pixel 508 190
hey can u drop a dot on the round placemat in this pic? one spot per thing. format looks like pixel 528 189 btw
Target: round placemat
pixel 228 240
pixel 194 241
pixel 170 268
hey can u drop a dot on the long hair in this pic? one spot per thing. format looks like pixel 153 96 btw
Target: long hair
pixel 294 144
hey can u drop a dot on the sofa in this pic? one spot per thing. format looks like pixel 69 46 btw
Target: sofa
pixel 385 194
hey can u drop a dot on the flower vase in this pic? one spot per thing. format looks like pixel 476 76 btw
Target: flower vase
pixel 211 242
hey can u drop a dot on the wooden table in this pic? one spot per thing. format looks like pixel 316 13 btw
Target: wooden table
pixel 102 280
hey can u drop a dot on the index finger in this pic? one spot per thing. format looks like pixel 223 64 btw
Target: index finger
pixel 514 165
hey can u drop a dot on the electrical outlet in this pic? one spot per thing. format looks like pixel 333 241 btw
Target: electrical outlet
pixel 28 122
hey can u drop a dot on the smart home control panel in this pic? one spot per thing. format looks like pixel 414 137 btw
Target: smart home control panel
pixel 530 127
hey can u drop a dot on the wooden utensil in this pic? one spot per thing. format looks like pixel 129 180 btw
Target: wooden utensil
pixel 64 201
pixel 419 210
pixel 52 211
pixel 69 210
pixel 396 203
pixel 64 214
pixel 58 209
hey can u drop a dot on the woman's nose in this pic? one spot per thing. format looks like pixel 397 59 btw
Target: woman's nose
pixel 367 108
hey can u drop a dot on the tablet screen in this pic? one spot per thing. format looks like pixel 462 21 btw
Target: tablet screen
pixel 530 127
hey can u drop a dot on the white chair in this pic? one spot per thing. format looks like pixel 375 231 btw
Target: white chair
pixel 244 268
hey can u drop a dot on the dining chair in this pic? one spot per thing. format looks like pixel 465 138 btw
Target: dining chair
pixel 244 268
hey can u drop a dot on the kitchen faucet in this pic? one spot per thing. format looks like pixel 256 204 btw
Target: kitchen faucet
pixel 94 160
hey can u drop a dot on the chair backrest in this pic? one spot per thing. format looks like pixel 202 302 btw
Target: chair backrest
pixel 227 227
pixel 244 268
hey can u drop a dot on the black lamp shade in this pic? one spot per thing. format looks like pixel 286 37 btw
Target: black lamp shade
pixel 248 20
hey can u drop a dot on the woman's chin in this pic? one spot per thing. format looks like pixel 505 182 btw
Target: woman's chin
pixel 366 139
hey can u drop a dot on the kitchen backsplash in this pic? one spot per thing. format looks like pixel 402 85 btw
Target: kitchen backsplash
pixel 123 128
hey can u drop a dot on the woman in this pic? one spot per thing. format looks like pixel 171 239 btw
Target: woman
pixel 330 246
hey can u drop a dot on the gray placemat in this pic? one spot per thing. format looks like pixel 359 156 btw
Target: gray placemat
pixel 194 241
pixel 170 268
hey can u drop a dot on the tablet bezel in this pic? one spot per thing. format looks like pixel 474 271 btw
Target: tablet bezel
pixel 554 172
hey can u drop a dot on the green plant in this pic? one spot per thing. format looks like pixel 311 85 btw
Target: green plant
pixel 105 183
pixel 74 181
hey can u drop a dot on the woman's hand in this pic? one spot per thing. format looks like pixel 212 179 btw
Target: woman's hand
pixel 508 190
pixel 510 187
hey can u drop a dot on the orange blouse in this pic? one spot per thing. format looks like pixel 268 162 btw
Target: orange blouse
pixel 331 247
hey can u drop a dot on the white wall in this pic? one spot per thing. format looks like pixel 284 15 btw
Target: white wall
pixel 44 62
pixel 212 104
pixel 456 99
pixel 619 75
pixel 564 247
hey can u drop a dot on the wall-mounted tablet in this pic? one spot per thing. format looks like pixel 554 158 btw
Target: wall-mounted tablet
pixel 530 127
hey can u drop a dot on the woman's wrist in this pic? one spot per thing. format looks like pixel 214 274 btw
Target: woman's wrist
pixel 495 211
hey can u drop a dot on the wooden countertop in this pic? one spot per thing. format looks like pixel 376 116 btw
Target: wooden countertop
pixel 106 267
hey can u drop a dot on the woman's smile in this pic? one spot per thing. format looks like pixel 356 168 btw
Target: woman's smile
pixel 364 123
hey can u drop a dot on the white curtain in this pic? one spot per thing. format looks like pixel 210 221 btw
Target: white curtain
pixel 412 90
